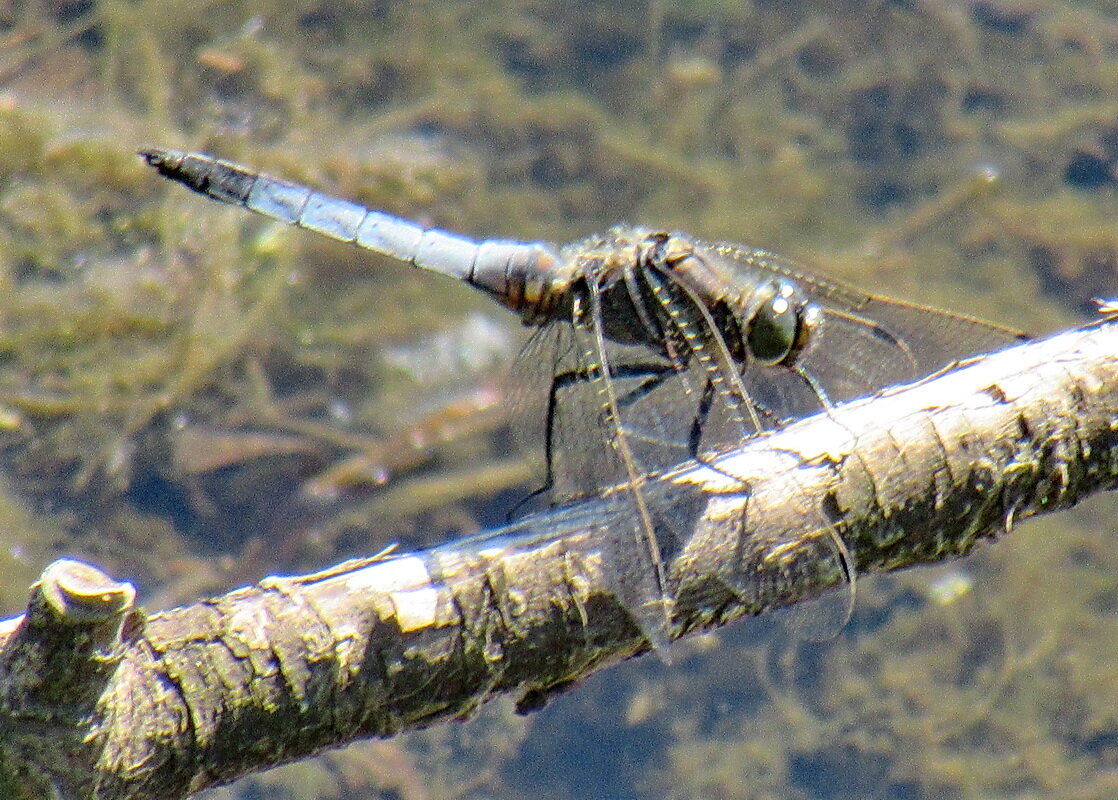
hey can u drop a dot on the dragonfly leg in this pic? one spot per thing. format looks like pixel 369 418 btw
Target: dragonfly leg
pixel 694 440
pixel 815 387
pixel 656 374
pixel 706 403
pixel 557 382
pixel 695 437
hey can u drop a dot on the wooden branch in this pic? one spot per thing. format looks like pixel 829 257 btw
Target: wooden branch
pixel 98 702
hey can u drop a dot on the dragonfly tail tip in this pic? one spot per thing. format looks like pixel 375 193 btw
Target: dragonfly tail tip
pixel 164 161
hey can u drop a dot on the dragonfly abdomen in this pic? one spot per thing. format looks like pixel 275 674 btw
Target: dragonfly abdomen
pixel 521 275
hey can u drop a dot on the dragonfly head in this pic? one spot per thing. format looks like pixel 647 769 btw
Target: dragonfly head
pixel 781 324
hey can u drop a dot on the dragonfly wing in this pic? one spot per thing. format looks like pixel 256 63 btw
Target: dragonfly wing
pixel 866 342
pixel 555 377
pixel 612 527
pixel 557 399
pixel 822 618
pixel 935 337
pixel 614 416
pixel 886 343
pixel 584 451
pixel 657 402
pixel 527 389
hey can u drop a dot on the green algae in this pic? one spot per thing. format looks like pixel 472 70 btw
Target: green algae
pixel 193 398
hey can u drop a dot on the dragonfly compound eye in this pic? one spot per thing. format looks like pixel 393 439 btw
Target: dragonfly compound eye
pixel 776 331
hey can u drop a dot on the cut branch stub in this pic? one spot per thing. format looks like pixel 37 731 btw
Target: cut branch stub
pixel 65 647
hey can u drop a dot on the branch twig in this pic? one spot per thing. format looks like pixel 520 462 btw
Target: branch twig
pixel 98 702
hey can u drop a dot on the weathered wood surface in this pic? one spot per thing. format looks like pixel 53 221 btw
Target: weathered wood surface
pixel 99 701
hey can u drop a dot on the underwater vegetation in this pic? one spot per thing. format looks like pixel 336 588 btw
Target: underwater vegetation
pixel 192 398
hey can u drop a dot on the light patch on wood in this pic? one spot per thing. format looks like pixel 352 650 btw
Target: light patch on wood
pixel 9 626
pixel 724 507
pixel 394 574
pixel 251 623
pixel 495 550
pixel 416 609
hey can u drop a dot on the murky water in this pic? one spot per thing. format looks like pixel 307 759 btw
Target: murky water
pixel 192 399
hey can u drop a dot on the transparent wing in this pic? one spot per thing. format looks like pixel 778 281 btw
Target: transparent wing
pixel 610 520
pixel 527 387
pixel 659 405
pixel 555 392
pixel 609 415
pixel 933 338
pixel 854 356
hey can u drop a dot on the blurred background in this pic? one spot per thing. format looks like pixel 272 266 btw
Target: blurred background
pixel 192 398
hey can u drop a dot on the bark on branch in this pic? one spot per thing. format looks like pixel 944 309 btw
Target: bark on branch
pixel 97 701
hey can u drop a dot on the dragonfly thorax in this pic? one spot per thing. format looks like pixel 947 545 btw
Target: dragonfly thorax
pixel 758 316
pixel 669 293
pixel 761 317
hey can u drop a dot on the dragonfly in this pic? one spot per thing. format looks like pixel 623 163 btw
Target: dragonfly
pixel 651 348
